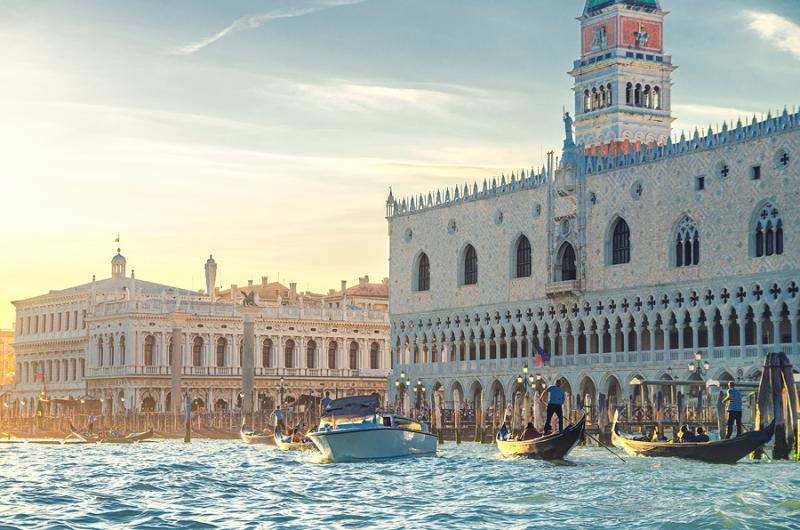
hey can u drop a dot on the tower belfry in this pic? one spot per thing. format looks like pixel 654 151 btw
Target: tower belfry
pixel 623 79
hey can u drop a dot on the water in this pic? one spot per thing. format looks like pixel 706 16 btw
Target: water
pixel 226 484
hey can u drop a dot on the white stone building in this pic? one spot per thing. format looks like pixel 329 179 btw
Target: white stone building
pixel 626 257
pixel 111 340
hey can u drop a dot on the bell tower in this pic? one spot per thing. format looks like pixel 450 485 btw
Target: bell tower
pixel 623 79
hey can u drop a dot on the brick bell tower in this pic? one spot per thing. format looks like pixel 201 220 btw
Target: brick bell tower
pixel 623 80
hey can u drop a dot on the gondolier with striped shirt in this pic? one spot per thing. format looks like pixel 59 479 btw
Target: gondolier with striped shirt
pixel 555 402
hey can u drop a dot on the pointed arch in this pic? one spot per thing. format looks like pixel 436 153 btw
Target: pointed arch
pixel 522 257
pixel 766 229
pixel 468 266
pixel 685 243
pixel 421 274
pixel 566 268
pixel 618 242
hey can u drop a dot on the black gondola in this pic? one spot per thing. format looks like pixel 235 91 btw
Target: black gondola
pixel 555 446
pixel 720 452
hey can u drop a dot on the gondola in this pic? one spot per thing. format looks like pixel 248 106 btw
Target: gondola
pixel 255 438
pixel 721 452
pixel 554 446
pixel 284 445
pixel 129 439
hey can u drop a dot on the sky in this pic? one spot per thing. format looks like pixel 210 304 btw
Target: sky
pixel 268 132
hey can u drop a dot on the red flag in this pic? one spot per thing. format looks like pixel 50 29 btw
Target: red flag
pixel 538 359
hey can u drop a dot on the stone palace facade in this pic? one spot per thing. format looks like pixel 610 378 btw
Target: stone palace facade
pixel 111 340
pixel 625 258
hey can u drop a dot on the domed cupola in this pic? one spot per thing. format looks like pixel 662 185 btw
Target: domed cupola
pixel 118 264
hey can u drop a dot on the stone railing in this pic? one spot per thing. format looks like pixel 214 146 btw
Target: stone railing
pixel 232 371
pixel 219 309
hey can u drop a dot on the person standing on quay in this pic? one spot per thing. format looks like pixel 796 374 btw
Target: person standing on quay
pixel 734 401
pixel 554 403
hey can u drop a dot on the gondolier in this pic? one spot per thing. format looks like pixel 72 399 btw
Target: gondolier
pixel 734 401
pixel 277 416
pixel 555 403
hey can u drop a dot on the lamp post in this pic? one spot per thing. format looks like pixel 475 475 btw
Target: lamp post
pixel 525 380
pixel 400 390
pixel 419 392
pixel 699 366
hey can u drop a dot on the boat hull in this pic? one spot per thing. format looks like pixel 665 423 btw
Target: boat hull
pixel 257 439
pixel 552 447
pixel 373 444
pixel 721 452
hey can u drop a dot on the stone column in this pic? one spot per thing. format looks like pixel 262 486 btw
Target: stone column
pixel 248 347
pixel 178 344
pixel 742 321
pixel 793 322
pixel 776 326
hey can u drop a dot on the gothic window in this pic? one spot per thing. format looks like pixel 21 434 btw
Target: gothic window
pixel 311 351
pixel 657 98
pixel 566 266
pixel 768 232
pixel 122 349
pixel 423 273
pixel 587 101
pixel 374 356
pixel 595 99
pixel 332 355
pixel 266 353
pixel 222 344
pixel 648 100
pixel 602 97
pixel 288 354
pixel 629 94
pixel 687 243
pixel 241 352
pixel 111 351
pixel 523 257
pixel 197 351
pixel 149 350
pixel 354 355
pixel 470 266
pixel 637 96
pixel 621 243
pixel 609 96
pixel 169 352
pixel 100 351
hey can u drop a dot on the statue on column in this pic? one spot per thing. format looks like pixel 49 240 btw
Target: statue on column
pixel 249 299
pixel 568 129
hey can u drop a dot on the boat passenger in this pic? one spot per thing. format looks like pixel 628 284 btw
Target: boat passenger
pixel 686 434
pixel 701 436
pixel 530 432
pixel 555 402
pixel 503 434
pixel 297 435
pixel 734 401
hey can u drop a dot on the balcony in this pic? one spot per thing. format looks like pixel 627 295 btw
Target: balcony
pixel 559 289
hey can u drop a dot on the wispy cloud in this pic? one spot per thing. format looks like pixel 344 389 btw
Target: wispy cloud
pixel 780 32
pixel 697 116
pixel 248 22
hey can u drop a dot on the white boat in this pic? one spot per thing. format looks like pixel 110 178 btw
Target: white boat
pixel 353 430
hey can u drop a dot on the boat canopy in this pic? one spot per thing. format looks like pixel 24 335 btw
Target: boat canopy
pixel 353 406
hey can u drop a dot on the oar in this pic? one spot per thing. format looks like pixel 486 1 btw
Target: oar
pixel 601 444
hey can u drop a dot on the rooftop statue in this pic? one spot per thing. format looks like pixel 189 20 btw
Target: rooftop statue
pixel 568 129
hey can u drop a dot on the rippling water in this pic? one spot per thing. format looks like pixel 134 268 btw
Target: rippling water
pixel 226 484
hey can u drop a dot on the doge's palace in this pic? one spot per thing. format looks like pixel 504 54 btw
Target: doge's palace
pixel 628 256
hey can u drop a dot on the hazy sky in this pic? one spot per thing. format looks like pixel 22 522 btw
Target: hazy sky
pixel 268 132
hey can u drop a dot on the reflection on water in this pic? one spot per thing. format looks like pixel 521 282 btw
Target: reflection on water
pixel 226 484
